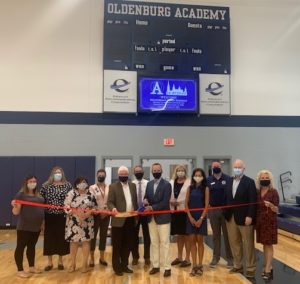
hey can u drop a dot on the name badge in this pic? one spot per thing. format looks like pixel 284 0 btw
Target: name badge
pixel 212 183
pixel 223 182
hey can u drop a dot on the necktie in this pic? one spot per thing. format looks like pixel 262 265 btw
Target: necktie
pixel 140 197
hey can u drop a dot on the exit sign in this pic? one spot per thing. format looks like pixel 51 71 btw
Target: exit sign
pixel 169 141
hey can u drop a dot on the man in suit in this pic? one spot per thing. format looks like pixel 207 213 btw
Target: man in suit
pixel 122 198
pixel 141 184
pixel 240 219
pixel 157 197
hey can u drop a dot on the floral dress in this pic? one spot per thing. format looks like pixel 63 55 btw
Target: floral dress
pixel 79 225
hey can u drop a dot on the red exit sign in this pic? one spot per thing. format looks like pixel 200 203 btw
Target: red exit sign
pixel 169 141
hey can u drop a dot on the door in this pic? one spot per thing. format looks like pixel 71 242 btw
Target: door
pixel 169 164
pixel 111 165
pixel 224 160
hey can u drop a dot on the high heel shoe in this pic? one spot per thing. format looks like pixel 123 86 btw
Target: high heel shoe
pixel 72 268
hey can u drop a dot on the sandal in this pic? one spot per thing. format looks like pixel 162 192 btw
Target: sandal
pixel 72 268
pixel 194 271
pixel 199 270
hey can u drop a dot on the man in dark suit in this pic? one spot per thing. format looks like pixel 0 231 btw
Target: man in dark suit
pixel 122 198
pixel 157 197
pixel 240 219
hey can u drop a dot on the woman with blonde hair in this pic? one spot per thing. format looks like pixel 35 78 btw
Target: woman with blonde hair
pixel 54 191
pixel 266 223
pixel 180 183
pixel 29 224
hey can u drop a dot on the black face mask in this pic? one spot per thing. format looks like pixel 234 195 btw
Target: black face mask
pixel 216 170
pixel 123 178
pixel 101 179
pixel 264 182
pixel 139 176
pixel 156 175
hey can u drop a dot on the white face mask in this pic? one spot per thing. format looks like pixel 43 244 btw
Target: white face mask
pixel 57 176
pixel 198 179
pixel 82 186
pixel 31 185
pixel 180 174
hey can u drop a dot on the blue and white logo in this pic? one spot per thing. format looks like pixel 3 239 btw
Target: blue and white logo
pixel 214 88
pixel 120 85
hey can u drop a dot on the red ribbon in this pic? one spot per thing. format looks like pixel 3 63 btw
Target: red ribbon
pixel 108 212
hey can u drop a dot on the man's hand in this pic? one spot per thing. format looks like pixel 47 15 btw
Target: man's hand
pixel 148 208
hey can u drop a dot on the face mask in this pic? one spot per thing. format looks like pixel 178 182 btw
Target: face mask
pixel 31 185
pixel 57 176
pixel 101 179
pixel 237 171
pixel 139 176
pixel 123 178
pixel 180 174
pixel 216 170
pixel 265 182
pixel 82 185
pixel 198 179
pixel 156 175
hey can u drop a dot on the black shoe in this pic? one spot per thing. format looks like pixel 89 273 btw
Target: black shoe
pixel 119 273
pixel 92 264
pixel 60 267
pixel 236 270
pixel 176 261
pixel 167 273
pixel 103 262
pixel 185 263
pixel 135 261
pixel 127 270
pixel 48 267
pixel 267 276
pixel 147 261
pixel 154 271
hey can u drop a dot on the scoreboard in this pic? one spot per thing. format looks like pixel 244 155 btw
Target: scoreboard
pixel 160 39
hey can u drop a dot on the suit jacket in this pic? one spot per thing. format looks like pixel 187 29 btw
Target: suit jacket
pixel 116 199
pixel 245 193
pixel 159 201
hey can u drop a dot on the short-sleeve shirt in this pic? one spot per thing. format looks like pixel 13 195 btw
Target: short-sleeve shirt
pixel 55 195
pixel 30 217
pixel 217 189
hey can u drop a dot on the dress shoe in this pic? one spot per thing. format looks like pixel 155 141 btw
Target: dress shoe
pixel 103 262
pixel 154 270
pixel 135 261
pixel 119 273
pixel 236 270
pixel 167 273
pixel 48 267
pixel 176 261
pixel 147 261
pixel 127 270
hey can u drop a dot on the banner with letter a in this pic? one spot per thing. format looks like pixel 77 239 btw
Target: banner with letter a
pixel 120 91
pixel 214 93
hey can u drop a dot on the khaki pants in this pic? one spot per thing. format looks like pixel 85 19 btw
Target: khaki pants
pixel 242 238
pixel 160 244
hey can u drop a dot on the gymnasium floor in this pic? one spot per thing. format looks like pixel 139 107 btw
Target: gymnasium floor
pixel 286 267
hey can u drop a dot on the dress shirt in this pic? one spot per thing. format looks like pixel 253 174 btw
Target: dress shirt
pixel 127 195
pixel 236 182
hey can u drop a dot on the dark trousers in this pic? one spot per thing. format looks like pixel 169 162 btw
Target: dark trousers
pixel 143 221
pixel 122 242
pixel 29 240
pixel 217 222
pixel 100 224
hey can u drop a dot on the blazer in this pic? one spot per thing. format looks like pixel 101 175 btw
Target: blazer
pixel 159 201
pixel 116 199
pixel 245 193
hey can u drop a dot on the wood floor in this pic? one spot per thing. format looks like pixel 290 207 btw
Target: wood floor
pixel 286 251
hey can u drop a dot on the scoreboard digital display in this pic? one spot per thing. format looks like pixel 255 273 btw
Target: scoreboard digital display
pixel 162 44
pixel 166 38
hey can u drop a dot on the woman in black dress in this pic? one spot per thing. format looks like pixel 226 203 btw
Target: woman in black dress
pixel 54 191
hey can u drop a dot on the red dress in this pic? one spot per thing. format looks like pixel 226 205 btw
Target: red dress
pixel 266 219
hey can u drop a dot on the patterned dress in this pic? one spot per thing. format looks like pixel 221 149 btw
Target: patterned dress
pixel 266 219
pixel 80 227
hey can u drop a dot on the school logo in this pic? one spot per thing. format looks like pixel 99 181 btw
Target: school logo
pixel 214 88
pixel 120 85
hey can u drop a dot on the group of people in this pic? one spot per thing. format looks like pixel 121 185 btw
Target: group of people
pixel 235 206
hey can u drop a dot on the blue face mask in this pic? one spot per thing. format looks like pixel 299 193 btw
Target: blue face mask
pixel 237 171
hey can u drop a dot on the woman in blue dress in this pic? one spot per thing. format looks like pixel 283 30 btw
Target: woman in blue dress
pixel 197 197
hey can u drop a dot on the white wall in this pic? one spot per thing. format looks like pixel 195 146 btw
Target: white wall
pixel 51 55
